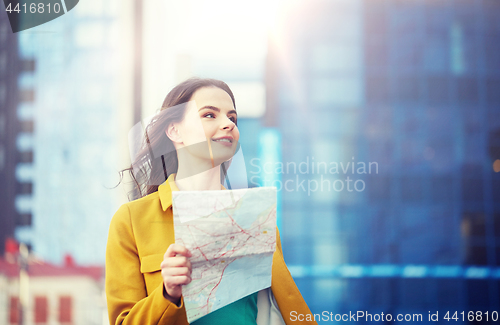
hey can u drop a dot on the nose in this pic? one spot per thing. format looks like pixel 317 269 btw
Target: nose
pixel 227 124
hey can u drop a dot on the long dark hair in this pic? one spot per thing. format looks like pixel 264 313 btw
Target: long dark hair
pixel 148 171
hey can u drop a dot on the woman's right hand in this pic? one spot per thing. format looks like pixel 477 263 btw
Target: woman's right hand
pixel 176 271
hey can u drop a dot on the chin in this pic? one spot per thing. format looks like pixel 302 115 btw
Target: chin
pixel 219 159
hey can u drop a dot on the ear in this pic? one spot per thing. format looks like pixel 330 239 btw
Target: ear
pixel 173 133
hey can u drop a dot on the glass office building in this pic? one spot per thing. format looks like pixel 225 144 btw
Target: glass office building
pixel 79 107
pixel 410 89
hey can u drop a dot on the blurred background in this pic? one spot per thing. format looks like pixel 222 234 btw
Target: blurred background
pixel 409 89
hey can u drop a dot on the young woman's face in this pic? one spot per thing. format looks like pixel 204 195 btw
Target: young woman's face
pixel 209 129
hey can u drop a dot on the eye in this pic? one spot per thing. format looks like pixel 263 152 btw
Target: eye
pixel 233 119
pixel 210 115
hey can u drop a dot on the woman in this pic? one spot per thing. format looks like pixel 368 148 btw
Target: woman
pixel 186 147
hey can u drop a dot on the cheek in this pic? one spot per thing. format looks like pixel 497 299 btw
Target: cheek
pixel 195 130
pixel 210 130
pixel 236 133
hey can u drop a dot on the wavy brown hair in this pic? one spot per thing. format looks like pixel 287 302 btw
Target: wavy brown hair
pixel 149 170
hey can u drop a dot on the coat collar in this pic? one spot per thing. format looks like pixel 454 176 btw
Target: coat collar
pixel 165 191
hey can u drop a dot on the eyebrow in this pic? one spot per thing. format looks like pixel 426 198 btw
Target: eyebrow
pixel 217 109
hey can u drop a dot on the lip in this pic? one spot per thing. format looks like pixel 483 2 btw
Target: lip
pixel 227 144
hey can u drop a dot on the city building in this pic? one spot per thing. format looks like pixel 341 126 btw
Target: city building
pixel 8 104
pixel 80 100
pixel 68 294
pixel 410 87
pixel 16 130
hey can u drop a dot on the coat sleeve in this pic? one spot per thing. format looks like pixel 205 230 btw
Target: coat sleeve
pixel 287 295
pixel 127 299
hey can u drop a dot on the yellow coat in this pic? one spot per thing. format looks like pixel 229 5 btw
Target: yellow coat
pixel 139 235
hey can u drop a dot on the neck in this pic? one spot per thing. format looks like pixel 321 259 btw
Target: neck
pixel 206 180
pixel 195 173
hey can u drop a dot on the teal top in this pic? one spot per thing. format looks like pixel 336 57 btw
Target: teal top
pixel 241 312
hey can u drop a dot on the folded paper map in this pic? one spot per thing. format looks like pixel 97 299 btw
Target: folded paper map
pixel 232 236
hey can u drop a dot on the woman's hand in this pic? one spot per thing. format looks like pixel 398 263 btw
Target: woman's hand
pixel 176 271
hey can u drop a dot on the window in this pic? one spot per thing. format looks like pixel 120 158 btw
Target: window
pixel 376 20
pixel 41 310
pixel 412 189
pixel 3 93
pixel 3 61
pixel 65 313
pixel 90 35
pixel 472 189
pixel 341 58
pixel 27 95
pixel 436 52
pixel 377 89
pixel 492 93
pixel 441 189
pixel 457 62
pixel 14 310
pixel 467 90
pixel 496 230
pixel 377 51
pixel 342 91
pixel 2 157
pixel 438 89
pixel 492 52
pixel 408 89
pixel 379 188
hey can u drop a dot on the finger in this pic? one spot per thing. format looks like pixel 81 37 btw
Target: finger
pixel 181 250
pixel 177 281
pixel 177 261
pixel 177 249
pixel 176 271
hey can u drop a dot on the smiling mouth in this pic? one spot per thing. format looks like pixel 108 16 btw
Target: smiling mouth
pixel 223 140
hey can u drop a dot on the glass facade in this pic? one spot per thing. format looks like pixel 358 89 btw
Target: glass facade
pixel 410 89
pixel 78 113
